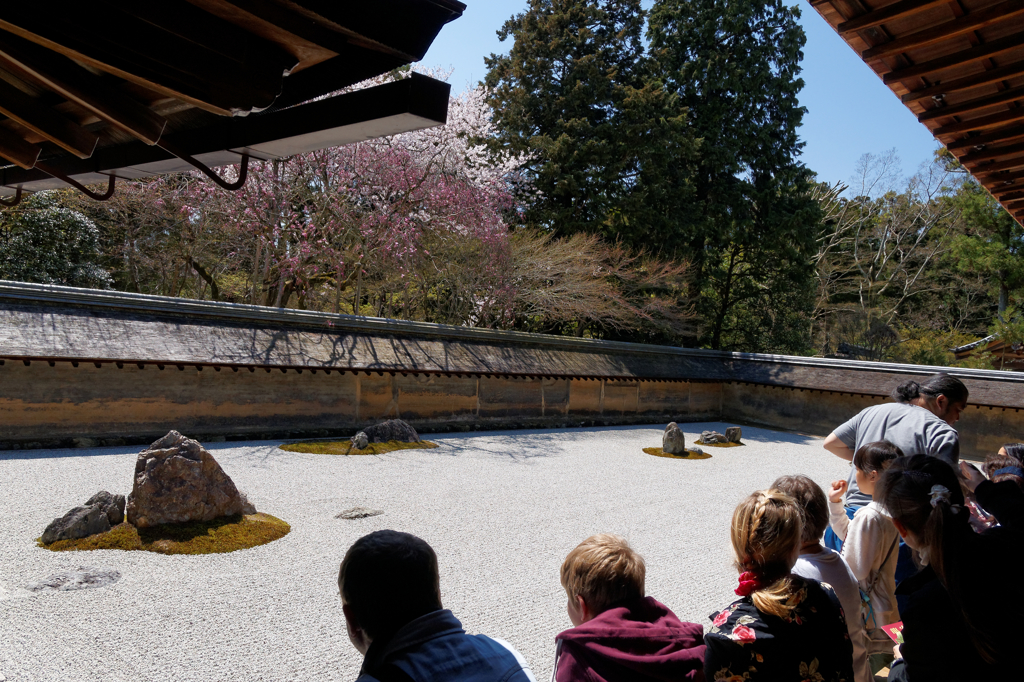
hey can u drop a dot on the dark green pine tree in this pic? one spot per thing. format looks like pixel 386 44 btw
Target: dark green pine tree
pixel 734 66
pixel 609 146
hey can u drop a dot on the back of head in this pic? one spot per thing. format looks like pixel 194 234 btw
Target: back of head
pixel 1004 468
pixel 931 388
pixel 810 500
pixel 603 569
pixel 766 528
pixel 388 579
pixel 876 456
pixel 1015 450
pixel 924 495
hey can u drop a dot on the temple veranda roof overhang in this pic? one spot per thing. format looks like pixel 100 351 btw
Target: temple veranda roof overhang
pixel 959 67
pixel 92 92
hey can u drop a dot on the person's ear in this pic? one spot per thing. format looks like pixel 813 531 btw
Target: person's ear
pixel 874 475
pixel 356 634
pixel 585 611
pixel 942 403
pixel 902 529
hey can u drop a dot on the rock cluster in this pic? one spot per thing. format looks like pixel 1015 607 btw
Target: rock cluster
pixel 732 435
pixel 100 513
pixel 673 442
pixel 392 429
pixel 176 481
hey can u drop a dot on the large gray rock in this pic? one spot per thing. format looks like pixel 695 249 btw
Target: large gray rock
pixel 99 514
pixel 176 481
pixel 673 442
pixel 392 429
pixel 733 434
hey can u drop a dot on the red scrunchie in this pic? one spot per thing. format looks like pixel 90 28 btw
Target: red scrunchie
pixel 749 582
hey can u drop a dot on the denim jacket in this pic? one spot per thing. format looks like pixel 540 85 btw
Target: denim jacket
pixel 436 647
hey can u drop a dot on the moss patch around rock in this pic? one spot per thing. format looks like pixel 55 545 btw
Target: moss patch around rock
pixel 690 454
pixel 344 447
pixel 720 445
pixel 225 534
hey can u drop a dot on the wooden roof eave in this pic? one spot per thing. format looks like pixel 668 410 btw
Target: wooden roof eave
pixel 958 66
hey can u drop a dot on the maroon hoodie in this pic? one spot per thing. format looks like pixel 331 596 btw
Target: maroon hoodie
pixel 640 639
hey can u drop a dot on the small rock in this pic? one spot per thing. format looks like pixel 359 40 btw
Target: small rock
pixel 112 506
pixel 359 513
pixel 733 434
pixel 673 442
pixel 84 442
pixel 81 578
pixel 392 429
pixel 176 481
pixel 99 514
pixel 360 440
pixel 696 451
pixel 712 437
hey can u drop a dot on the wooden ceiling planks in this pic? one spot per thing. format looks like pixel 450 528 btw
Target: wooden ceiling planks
pixel 88 78
pixel 959 67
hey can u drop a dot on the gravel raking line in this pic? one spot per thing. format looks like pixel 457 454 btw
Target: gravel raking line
pixel 501 509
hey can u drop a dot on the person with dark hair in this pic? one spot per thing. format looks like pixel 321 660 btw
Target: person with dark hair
pixel 956 610
pixel 870 547
pixel 919 422
pixel 1014 450
pixel 391 598
pixel 825 565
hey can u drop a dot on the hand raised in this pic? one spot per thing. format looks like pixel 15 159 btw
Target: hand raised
pixel 836 492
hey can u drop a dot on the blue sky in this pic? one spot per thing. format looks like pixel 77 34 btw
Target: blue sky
pixel 850 111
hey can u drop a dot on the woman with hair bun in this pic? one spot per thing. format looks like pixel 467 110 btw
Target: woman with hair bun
pixel 783 627
pixel 957 611
pixel 920 422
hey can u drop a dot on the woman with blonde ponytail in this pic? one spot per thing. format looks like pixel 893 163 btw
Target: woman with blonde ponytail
pixel 783 627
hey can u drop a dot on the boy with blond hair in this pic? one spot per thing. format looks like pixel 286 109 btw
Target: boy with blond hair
pixel 619 633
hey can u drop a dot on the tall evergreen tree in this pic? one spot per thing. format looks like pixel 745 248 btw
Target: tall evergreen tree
pixel 734 66
pixel 607 143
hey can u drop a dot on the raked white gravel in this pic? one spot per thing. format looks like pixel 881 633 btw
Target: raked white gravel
pixel 501 510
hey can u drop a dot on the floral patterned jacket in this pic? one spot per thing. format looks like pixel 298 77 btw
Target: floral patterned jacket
pixel 810 645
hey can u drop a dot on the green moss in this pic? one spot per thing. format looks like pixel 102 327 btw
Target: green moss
pixel 690 454
pixel 344 447
pixel 225 534
pixel 721 445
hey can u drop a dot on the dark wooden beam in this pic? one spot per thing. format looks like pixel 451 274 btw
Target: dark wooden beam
pixel 1002 189
pixel 82 87
pixel 1014 206
pixel 981 123
pixel 1011 196
pixel 974 21
pixel 45 122
pixel 965 83
pixel 1006 134
pixel 990 153
pixel 973 105
pixel 997 166
pixel 877 17
pixel 16 150
pixel 1009 178
pixel 972 54
pixel 169 47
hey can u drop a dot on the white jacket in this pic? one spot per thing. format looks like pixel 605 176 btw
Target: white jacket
pixel 867 540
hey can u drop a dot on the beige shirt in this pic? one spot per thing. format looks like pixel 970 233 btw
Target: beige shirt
pixel 867 540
